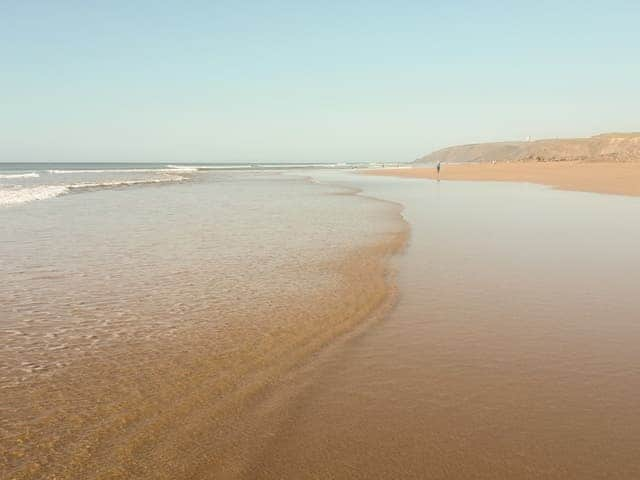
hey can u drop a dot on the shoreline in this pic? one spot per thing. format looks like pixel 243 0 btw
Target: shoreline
pixel 202 384
pixel 607 178
pixel 482 363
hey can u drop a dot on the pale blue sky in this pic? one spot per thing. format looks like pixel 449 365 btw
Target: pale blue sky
pixel 296 81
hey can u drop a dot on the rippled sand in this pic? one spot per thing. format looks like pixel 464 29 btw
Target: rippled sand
pixel 142 322
pixel 511 353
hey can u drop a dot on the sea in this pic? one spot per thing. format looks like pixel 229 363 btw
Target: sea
pixel 25 182
pixel 312 322
pixel 135 294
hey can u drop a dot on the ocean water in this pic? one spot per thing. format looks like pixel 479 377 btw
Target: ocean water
pixel 25 182
pixel 250 323
pixel 145 304
pixel 512 352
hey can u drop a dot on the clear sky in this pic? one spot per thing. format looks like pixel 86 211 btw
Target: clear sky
pixel 307 81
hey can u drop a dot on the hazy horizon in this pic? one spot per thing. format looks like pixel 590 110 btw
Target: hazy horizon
pixel 182 163
pixel 270 82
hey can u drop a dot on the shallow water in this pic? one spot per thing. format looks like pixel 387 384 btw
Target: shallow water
pixel 133 317
pixel 29 182
pixel 511 353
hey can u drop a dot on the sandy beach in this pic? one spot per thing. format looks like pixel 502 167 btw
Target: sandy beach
pixel 320 241
pixel 611 178
pixel 493 363
pixel 134 357
pixel 511 352
pixel 486 336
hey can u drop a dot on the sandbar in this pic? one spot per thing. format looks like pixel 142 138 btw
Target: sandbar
pixel 621 178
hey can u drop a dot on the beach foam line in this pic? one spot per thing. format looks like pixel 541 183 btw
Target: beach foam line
pixel 14 196
pixel 125 170
pixel 125 183
pixel 184 168
pixel 301 165
pixel 223 167
pixel 20 175
pixel 29 194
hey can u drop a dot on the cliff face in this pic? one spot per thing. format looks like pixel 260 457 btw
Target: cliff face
pixel 610 147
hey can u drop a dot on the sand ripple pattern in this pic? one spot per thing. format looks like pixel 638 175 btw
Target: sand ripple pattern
pixel 135 320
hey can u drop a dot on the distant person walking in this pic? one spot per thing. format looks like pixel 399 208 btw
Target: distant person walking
pixel 438 170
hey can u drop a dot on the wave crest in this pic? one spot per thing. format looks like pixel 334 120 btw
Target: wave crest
pixel 14 196
pixel 29 194
pixel 168 169
pixel 20 175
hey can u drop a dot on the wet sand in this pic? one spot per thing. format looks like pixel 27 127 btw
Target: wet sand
pixel 137 352
pixel 511 353
pixel 614 178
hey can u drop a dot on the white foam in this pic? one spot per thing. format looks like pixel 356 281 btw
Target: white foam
pixel 20 175
pixel 183 168
pixel 195 168
pixel 299 165
pixel 224 167
pixel 114 170
pixel 124 183
pixel 22 195
pixel 14 196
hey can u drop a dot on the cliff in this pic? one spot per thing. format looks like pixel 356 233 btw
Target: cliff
pixel 610 147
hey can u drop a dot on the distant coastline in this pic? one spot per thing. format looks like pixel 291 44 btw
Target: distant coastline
pixel 607 163
pixel 597 177
pixel 608 147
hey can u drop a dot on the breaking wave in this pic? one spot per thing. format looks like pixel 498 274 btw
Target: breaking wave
pixel 14 196
pixel 170 169
pixel 20 175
